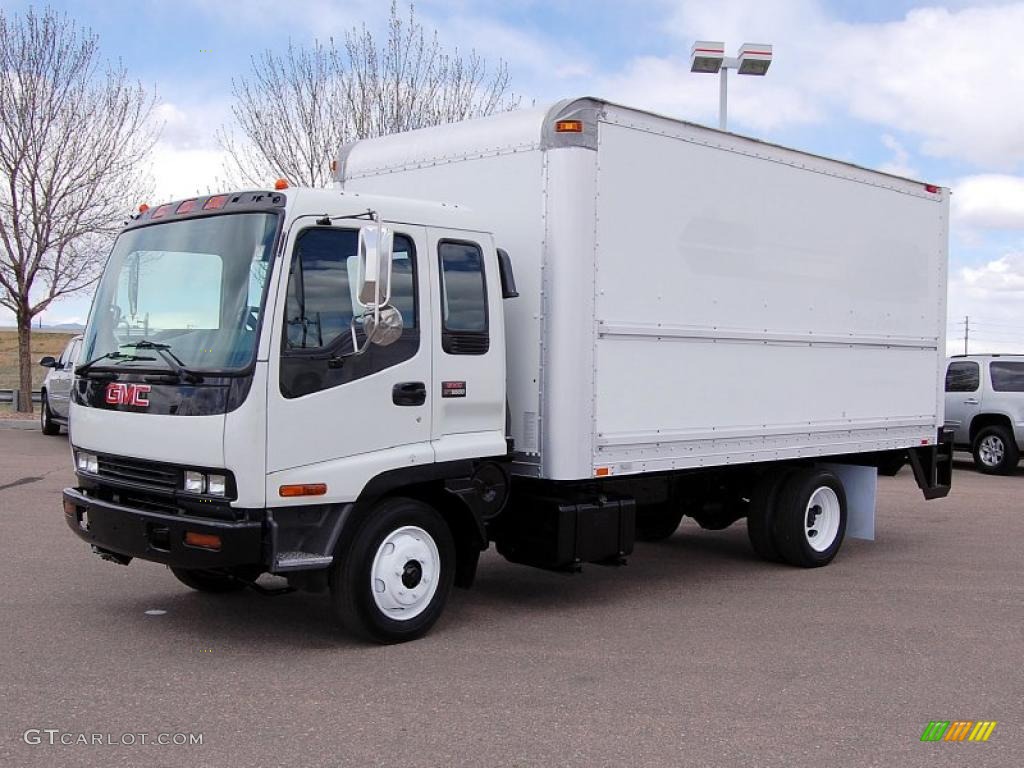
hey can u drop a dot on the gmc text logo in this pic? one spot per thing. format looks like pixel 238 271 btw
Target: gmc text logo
pixel 128 394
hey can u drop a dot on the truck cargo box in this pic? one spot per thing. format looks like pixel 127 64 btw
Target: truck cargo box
pixel 690 297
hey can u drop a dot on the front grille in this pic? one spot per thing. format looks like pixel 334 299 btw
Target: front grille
pixel 139 472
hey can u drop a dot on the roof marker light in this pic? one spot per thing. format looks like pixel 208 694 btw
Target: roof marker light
pixel 143 208
pixel 931 188
pixel 281 184
pixel 215 202
pixel 569 126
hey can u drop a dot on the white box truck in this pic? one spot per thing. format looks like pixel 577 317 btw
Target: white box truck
pixel 557 330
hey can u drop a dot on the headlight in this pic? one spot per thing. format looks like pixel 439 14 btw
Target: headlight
pixel 195 482
pixel 217 485
pixel 87 462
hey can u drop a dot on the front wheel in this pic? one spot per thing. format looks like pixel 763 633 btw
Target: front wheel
pixel 390 580
pixel 46 422
pixel 995 451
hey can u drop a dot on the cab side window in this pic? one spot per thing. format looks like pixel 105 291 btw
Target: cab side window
pixel 322 308
pixel 464 327
pixel 963 377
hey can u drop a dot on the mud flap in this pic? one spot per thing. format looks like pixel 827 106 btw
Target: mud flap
pixel 933 466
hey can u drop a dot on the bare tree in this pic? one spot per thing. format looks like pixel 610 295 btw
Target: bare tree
pixel 297 109
pixel 71 141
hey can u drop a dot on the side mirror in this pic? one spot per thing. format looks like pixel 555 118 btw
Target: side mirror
pixel 384 328
pixel 48 362
pixel 375 243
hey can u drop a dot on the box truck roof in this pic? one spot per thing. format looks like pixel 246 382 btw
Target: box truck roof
pixel 546 127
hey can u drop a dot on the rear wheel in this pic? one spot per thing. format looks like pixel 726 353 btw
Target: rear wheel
pixel 995 451
pixel 761 517
pixel 810 518
pixel 390 580
pixel 46 422
pixel 213 581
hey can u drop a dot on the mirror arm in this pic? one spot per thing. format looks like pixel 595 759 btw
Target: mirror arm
pixel 356 349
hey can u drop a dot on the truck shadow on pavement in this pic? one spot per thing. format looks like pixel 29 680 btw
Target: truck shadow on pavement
pixel 503 591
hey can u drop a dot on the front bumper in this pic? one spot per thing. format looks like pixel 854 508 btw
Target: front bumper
pixel 161 537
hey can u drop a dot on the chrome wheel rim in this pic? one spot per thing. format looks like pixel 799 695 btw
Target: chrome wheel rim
pixel 405 573
pixel 991 451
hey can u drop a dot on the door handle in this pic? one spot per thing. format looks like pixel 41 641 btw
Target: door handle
pixel 409 393
pixel 971 401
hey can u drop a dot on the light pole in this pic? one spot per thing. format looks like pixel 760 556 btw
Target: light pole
pixel 709 58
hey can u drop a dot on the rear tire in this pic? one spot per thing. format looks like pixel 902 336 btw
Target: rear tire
pixel 810 518
pixel 995 451
pixel 761 517
pixel 46 422
pixel 390 579
pixel 211 582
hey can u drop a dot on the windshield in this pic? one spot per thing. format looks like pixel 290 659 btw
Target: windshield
pixel 195 285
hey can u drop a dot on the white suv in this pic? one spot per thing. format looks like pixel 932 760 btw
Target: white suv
pixel 985 408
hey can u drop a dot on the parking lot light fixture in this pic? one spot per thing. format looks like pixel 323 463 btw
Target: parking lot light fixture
pixel 709 58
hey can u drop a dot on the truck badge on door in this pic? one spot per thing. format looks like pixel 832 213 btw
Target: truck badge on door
pixel 128 394
pixel 453 389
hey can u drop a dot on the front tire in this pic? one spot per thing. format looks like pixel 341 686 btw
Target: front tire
pixel 391 578
pixel 810 518
pixel 46 422
pixel 995 451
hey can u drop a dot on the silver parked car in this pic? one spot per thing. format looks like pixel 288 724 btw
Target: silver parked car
pixel 985 408
pixel 56 389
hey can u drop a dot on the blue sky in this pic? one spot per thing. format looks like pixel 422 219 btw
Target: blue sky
pixel 929 90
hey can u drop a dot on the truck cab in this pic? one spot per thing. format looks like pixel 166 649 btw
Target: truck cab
pixel 235 396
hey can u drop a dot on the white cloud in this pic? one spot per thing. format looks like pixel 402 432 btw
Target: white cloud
pixel 182 173
pixel 899 164
pixel 949 78
pixel 992 296
pixel 989 201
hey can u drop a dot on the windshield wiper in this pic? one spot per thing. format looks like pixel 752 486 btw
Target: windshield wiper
pixel 172 360
pixel 84 368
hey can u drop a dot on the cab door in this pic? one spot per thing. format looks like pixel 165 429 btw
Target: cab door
pixel 468 346
pixel 334 417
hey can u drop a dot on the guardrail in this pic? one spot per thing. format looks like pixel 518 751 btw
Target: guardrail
pixel 7 396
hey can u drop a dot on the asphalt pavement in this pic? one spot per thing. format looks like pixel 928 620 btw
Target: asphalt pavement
pixel 694 654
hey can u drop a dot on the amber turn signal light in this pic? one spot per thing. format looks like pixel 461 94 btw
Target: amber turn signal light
pixel 306 489
pixel 202 540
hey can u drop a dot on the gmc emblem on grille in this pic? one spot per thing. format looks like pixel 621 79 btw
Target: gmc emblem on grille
pixel 128 394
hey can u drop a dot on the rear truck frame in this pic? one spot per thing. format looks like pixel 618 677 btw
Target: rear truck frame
pixel 353 389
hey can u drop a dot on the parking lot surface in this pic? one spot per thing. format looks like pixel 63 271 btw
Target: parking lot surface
pixel 694 654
